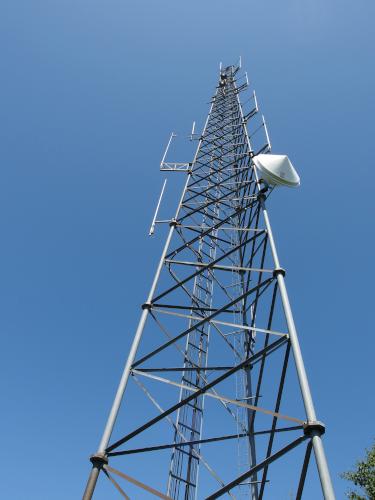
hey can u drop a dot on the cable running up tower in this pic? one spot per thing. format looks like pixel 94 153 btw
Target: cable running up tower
pixel 209 360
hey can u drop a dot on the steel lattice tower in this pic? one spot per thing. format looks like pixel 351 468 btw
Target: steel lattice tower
pixel 212 361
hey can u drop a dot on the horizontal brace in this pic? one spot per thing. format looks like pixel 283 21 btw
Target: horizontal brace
pixel 220 397
pixel 251 328
pixel 178 445
pixel 207 186
pixel 240 155
pixel 246 229
pixel 176 164
pixel 186 369
pixel 202 441
pixel 219 200
pixel 190 308
pixel 225 323
pixel 172 169
pixel 221 268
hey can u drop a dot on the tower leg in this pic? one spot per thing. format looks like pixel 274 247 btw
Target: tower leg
pixel 321 462
pixel 97 461
pixel 91 483
pixel 320 457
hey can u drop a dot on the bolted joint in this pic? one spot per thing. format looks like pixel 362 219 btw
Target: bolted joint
pixel 277 271
pixel 261 197
pixel 146 305
pixel 98 460
pixel 173 223
pixel 314 428
pixel 263 186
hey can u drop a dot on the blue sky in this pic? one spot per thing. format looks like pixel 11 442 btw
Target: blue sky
pixel 90 91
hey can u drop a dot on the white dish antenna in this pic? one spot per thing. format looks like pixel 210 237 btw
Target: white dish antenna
pixel 277 170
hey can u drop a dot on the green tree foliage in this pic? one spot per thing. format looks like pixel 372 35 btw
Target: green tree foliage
pixel 363 477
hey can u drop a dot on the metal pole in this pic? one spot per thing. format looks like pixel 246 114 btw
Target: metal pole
pixel 96 460
pixel 100 456
pixel 320 457
pixel 91 483
pixel 321 461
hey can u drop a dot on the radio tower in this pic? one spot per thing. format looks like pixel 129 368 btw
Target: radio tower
pixel 211 403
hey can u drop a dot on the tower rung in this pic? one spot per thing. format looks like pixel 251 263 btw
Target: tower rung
pixel 189 428
pixel 184 452
pixel 183 480
pixel 190 382
pixel 197 348
pixel 194 407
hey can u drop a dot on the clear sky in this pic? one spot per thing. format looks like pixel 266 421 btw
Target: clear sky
pixel 90 91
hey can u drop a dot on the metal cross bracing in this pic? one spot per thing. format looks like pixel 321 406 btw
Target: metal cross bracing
pixel 212 360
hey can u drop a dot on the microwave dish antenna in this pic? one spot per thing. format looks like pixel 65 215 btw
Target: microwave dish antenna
pixel 277 170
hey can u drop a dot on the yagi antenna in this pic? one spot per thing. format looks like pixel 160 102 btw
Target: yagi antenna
pixel 173 166
pixel 166 149
pixel 266 131
pixel 152 227
pixel 255 101
pixel 192 131
pixel 240 63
